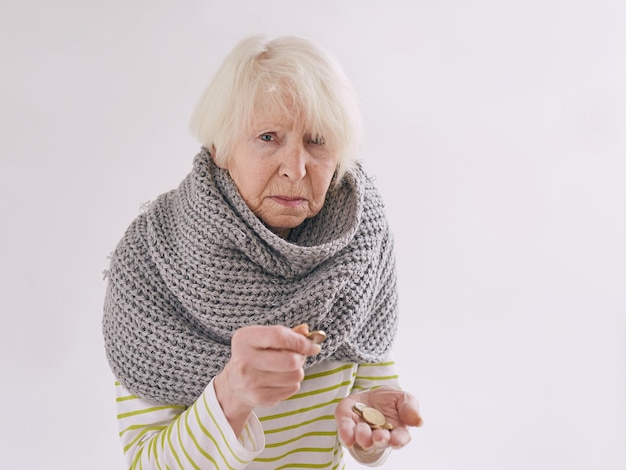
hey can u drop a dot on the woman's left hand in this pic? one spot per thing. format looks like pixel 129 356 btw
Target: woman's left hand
pixel 399 407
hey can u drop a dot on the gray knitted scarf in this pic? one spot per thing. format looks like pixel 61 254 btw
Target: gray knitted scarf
pixel 198 264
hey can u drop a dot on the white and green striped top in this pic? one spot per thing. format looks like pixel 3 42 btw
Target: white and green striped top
pixel 299 432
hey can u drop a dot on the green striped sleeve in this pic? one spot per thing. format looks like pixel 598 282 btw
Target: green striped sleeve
pixel 159 436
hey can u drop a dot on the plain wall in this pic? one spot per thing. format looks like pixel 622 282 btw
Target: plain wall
pixel 496 132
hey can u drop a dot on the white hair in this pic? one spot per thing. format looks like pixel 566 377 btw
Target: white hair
pixel 286 72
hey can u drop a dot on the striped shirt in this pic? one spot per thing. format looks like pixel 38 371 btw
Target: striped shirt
pixel 299 432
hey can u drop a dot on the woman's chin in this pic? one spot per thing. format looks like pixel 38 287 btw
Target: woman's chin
pixel 281 226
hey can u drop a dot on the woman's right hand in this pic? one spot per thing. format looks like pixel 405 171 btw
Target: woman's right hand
pixel 265 367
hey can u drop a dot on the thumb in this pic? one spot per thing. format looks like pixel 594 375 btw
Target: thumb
pixel 408 411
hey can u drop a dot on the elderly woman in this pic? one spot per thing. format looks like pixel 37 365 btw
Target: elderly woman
pixel 275 227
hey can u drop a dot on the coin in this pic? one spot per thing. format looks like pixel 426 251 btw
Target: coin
pixel 317 336
pixel 359 407
pixel 373 417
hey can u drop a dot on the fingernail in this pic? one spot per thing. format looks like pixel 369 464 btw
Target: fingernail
pixel 380 444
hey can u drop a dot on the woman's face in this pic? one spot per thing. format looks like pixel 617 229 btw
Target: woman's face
pixel 281 172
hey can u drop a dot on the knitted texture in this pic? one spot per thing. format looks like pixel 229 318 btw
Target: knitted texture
pixel 198 265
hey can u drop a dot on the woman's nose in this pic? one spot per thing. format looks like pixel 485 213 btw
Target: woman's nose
pixel 293 162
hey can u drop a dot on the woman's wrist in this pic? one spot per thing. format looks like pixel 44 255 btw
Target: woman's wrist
pixel 236 413
pixel 371 456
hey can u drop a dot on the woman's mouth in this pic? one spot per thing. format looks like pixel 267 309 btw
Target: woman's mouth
pixel 288 201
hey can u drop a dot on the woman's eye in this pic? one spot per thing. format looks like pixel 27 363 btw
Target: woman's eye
pixel 266 137
pixel 316 141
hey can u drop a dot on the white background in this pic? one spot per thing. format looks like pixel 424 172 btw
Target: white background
pixel 496 132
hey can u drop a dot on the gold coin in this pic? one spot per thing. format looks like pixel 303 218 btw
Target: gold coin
pixel 317 336
pixel 373 417
pixel 359 407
